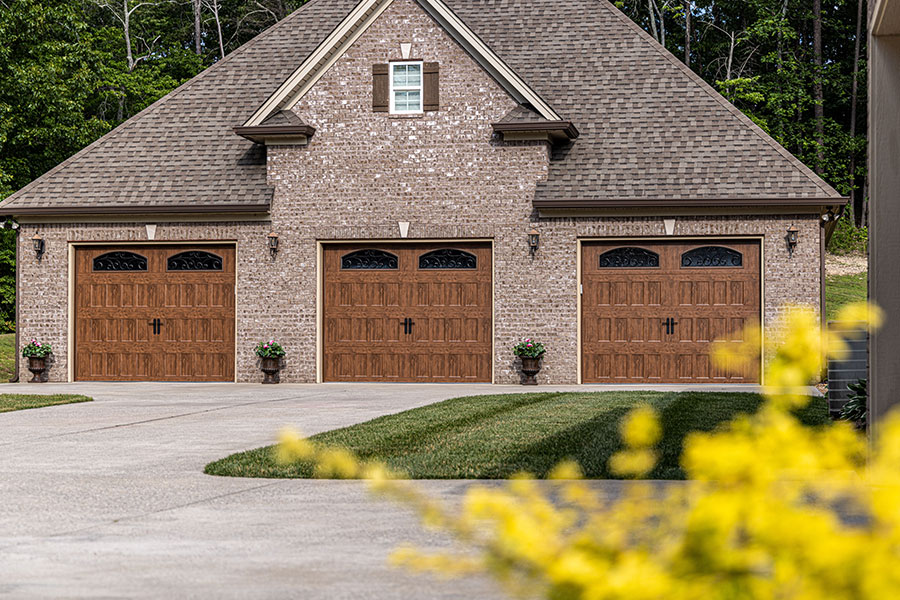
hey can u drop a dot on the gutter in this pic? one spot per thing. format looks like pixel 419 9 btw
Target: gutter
pixel 613 203
pixel 138 210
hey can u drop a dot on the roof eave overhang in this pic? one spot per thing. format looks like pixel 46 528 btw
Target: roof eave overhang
pixel 590 207
pixel 136 209
pixel 277 134
pixel 554 130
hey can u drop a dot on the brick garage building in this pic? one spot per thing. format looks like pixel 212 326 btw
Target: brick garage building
pixel 403 151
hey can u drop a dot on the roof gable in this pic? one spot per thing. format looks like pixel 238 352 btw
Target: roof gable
pixel 357 22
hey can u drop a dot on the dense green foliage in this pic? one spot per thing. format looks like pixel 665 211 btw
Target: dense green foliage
pixel 71 70
pixel 848 239
pixel 494 437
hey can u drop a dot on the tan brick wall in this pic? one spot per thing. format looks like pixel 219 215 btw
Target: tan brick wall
pixel 446 175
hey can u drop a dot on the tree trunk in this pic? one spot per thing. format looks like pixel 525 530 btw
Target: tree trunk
pixel 215 9
pixel 198 33
pixel 687 33
pixel 652 13
pixel 818 92
pixel 856 197
pixel 126 25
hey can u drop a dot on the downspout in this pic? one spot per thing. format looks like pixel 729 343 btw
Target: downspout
pixel 822 225
pixel 15 377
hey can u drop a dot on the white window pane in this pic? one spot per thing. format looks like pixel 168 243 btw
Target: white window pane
pixel 399 75
pixel 400 101
pixel 414 100
pixel 414 75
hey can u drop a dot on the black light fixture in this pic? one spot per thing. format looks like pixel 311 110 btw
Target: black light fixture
pixel 791 238
pixel 534 240
pixel 37 242
pixel 273 243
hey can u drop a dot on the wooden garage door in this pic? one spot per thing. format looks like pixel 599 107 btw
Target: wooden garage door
pixel 154 313
pixel 652 311
pixel 407 312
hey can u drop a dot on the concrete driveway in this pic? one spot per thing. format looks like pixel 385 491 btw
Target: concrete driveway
pixel 108 498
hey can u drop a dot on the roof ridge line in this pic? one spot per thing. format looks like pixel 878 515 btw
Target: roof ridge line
pixel 734 110
pixel 130 121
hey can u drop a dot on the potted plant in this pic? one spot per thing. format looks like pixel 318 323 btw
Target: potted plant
pixel 530 352
pixel 37 354
pixel 270 354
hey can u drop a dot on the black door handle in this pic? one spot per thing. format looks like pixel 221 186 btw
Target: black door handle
pixel 670 324
pixel 407 325
pixel 156 324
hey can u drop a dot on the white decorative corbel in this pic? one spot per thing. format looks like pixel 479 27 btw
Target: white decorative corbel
pixel 151 231
pixel 404 228
pixel 670 226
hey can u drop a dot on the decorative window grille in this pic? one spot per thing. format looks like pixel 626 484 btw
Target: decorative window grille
pixel 120 261
pixel 448 258
pixel 629 257
pixel 369 258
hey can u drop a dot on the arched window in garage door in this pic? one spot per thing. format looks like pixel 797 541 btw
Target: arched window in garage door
pixel 629 257
pixel 369 259
pixel 194 260
pixel 120 261
pixel 448 258
pixel 712 256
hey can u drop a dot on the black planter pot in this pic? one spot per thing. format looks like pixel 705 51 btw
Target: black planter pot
pixel 270 366
pixel 530 368
pixel 37 365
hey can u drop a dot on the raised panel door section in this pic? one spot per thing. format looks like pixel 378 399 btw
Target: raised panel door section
pixel 652 311
pixel 407 312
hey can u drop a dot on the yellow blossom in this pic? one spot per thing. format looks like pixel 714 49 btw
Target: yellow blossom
pixel 640 428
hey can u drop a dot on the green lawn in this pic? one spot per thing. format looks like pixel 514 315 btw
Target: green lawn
pixel 492 437
pixel 7 356
pixel 843 289
pixel 11 402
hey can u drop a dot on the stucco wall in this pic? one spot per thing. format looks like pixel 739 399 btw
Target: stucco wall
pixel 444 173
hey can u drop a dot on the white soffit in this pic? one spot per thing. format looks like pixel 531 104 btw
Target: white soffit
pixel 357 22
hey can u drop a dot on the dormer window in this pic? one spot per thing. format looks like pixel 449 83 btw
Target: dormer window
pixel 406 87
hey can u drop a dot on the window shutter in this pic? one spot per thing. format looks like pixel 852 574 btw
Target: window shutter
pixel 380 89
pixel 431 94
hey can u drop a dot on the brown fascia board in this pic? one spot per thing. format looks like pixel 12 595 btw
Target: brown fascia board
pixel 259 133
pixel 566 128
pixel 135 210
pixel 685 202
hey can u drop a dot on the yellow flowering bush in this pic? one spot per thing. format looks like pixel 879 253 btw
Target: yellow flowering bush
pixel 772 509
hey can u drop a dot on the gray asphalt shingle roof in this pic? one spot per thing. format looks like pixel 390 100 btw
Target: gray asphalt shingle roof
pixel 650 128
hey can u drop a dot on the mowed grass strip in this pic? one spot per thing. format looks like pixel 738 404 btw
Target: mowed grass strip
pixel 496 436
pixel 7 356
pixel 11 402
pixel 844 289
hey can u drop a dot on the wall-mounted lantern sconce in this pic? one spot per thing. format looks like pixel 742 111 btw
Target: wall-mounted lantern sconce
pixel 791 239
pixel 534 240
pixel 273 243
pixel 37 242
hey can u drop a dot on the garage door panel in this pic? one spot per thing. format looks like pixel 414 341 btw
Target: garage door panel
pixel 431 318
pixel 115 338
pixel 628 299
